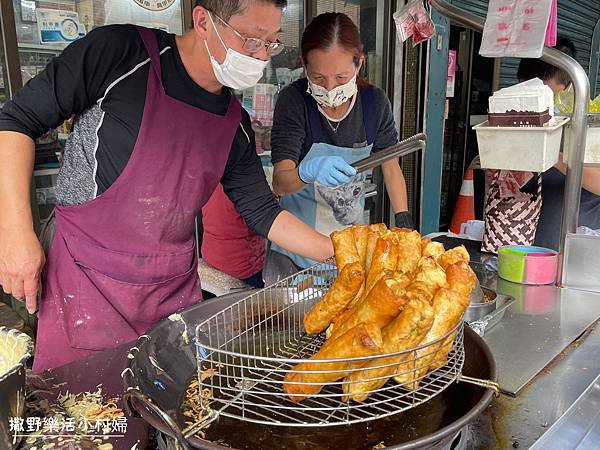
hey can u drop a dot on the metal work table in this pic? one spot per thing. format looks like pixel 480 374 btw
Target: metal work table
pixel 542 319
pixel 520 421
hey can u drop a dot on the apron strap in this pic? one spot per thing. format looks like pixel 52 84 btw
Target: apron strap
pixel 314 116
pixel 151 44
pixel 367 100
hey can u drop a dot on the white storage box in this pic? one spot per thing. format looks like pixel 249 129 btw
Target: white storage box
pixel 592 141
pixel 533 149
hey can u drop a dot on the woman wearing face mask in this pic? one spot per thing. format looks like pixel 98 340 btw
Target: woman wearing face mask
pixel 323 123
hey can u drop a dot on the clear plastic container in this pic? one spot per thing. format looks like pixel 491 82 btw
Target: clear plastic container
pixel 527 265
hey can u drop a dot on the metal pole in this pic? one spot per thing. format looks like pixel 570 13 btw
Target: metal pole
pixel 186 14
pixel 14 81
pixel 581 87
pixel 11 49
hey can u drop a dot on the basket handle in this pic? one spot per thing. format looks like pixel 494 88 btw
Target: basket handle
pixel 488 384
pixel 172 429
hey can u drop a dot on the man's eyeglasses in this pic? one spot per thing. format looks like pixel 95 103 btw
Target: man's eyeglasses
pixel 254 45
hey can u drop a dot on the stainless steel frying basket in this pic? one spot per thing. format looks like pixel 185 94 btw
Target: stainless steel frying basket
pixel 245 351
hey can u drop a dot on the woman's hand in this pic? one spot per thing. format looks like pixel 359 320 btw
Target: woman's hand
pixel 326 170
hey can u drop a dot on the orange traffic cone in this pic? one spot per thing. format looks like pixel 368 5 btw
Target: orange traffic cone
pixel 465 205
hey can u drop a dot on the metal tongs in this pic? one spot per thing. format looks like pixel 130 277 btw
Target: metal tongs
pixel 402 148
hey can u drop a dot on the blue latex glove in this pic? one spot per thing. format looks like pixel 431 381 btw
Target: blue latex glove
pixel 326 170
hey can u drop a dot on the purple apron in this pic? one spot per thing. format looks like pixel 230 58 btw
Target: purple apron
pixel 126 259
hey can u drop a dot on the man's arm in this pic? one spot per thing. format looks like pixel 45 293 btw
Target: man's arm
pixel 292 234
pixel 21 255
pixel 245 184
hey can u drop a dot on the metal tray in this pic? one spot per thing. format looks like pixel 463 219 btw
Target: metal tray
pixel 489 321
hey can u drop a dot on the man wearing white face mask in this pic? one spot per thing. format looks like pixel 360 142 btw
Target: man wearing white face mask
pixel 321 125
pixel 157 128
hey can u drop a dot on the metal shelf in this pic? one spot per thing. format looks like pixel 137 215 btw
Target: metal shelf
pixel 579 121
pixel 45 48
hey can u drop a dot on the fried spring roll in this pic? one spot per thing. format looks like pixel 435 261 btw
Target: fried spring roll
pixel 385 258
pixel 357 298
pixel 372 239
pixel 344 248
pixel 341 292
pixel 448 308
pixel 409 250
pixel 361 235
pixel 381 306
pixel 362 296
pixel 357 302
pixel 403 333
pixel 461 278
pixel 453 256
pixel 430 273
pixel 432 249
pixel 402 278
pixel 378 227
pixel 362 340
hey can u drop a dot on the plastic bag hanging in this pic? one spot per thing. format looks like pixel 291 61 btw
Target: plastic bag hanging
pixel 424 28
pixel 412 20
pixel 515 28
pixel 404 21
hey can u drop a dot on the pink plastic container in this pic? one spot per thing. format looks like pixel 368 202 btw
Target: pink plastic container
pixel 540 268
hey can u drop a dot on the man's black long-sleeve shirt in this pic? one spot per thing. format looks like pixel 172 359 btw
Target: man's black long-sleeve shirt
pixel 101 79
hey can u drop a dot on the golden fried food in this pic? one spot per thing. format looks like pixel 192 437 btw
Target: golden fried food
pixel 403 279
pixel 448 308
pixel 380 307
pixel 409 250
pixel 461 278
pixel 337 298
pixel 403 333
pixel 362 340
pixel 362 296
pixel 378 227
pixel 431 274
pixel 454 255
pixel 432 249
pixel 393 281
pixel 344 247
pixel 372 239
pixel 385 258
pixel 361 235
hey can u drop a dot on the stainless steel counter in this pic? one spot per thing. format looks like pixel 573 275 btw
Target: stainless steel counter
pixel 547 349
pixel 543 321
pixel 512 422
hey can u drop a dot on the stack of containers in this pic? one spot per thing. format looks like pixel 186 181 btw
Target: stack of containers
pixel 527 265
pixel 521 132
